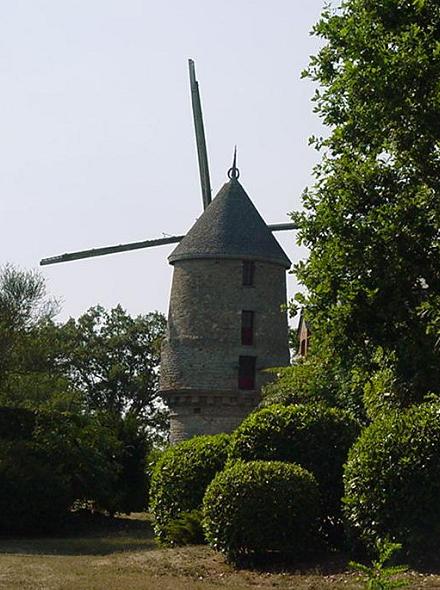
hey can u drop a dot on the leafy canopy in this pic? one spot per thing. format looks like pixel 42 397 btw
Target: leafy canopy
pixel 29 373
pixel 113 360
pixel 372 218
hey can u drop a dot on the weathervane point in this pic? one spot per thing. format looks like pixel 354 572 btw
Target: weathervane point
pixel 234 172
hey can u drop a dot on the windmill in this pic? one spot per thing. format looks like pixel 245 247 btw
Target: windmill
pixel 225 327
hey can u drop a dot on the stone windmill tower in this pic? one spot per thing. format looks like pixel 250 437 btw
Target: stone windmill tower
pixel 225 323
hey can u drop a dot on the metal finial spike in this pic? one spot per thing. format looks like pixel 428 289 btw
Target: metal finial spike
pixel 234 172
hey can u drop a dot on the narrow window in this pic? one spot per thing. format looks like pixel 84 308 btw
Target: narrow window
pixel 247 328
pixel 248 273
pixel 246 372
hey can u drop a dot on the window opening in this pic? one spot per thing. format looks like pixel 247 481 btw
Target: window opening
pixel 246 372
pixel 248 273
pixel 247 328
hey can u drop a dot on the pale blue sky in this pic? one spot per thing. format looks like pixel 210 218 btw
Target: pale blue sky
pixel 97 145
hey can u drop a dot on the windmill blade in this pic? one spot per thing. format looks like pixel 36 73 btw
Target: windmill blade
pixel 109 250
pixel 200 136
pixel 69 256
pixel 282 226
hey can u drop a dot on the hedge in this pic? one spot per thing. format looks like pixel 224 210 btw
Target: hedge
pixel 312 435
pixel 251 509
pixel 54 459
pixel 392 481
pixel 181 476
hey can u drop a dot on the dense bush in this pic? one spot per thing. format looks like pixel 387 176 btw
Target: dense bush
pixel 86 451
pixel 150 463
pixel 16 423
pixel 392 480
pixel 50 460
pixel 181 476
pixel 54 460
pixel 129 489
pixel 132 483
pixel 314 436
pixel 35 494
pixel 261 506
pixel 309 379
pixel 36 489
pixel 383 392
pixel 186 529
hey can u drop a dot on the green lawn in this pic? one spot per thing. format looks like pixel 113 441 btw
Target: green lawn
pixel 122 554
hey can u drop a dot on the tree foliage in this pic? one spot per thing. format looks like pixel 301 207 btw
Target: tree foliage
pixel 372 219
pixel 49 460
pixel 101 369
pixel 309 379
pixel 392 481
pixel 113 360
pixel 29 372
pixel 106 361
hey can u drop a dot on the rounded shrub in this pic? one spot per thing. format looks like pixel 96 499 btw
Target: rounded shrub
pixel 251 509
pixel 313 435
pixel 392 481
pixel 180 478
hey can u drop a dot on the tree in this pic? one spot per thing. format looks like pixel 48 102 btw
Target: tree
pixel 113 360
pixel 29 375
pixel 97 376
pixel 22 307
pixel 372 219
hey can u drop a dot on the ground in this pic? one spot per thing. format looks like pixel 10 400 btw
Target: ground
pixel 122 554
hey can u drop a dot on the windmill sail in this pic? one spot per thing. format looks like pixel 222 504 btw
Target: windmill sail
pixel 109 250
pixel 200 136
pixel 69 256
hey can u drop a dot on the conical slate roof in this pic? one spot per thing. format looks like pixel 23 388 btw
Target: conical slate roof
pixel 230 227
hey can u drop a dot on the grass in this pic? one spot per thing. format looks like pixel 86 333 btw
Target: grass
pixel 99 553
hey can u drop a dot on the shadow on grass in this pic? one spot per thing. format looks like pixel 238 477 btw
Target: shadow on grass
pixel 87 534
pixel 327 563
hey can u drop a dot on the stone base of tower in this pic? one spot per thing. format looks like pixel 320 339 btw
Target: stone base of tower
pixel 194 413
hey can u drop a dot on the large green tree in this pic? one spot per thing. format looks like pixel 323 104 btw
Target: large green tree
pixel 101 372
pixel 29 372
pixel 372 218
pixel 113 360
pixel 104 362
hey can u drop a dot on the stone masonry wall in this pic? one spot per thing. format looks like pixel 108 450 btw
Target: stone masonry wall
pixel 200 355
pixel 207 413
